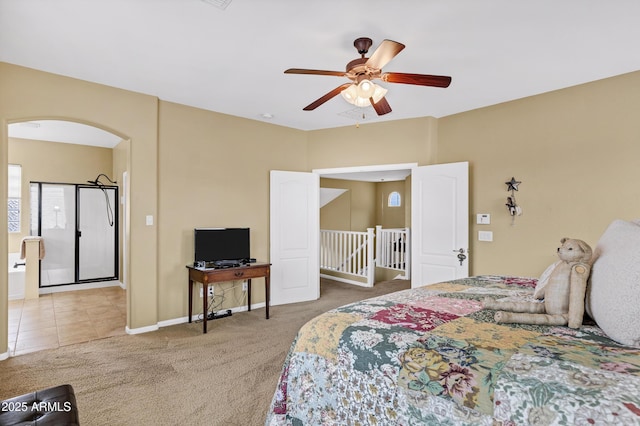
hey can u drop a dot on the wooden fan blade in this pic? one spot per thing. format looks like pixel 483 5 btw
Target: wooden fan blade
pixel 314 72
pixel 417 79
pixel 382 107
pixel 387 50
pixel 315 104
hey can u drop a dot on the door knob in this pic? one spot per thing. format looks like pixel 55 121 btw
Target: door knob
pixel 461 255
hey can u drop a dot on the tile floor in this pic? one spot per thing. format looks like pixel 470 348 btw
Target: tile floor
pixel 60 319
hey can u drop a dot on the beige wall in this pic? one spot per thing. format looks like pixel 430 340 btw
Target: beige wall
pixel 215 173
pixel 390 217
pixel 352 211
pixel 55 163
pixel 576 152
pixel 363 206
pixel 336 215
pixel 407 201
pixel 394 142
pixel 121 159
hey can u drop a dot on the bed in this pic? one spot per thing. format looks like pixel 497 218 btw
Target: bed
pixel 434 355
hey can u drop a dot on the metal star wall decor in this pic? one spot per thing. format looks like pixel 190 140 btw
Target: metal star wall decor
pixel 512 205
pixel 513 184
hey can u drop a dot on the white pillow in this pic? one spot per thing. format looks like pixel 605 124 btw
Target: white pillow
pixel 613 294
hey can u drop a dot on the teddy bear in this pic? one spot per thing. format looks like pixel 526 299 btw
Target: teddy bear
pixel 563 287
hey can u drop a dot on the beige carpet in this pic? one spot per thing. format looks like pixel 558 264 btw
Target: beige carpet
pixel 177 375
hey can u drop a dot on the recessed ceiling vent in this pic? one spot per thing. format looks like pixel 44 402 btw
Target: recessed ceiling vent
pixel 360 114
pixel 220 4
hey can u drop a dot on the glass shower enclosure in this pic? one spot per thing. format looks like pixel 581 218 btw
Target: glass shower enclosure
pixel 79 225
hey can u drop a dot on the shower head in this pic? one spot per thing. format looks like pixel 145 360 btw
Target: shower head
pixel 97 180
pixel 104 189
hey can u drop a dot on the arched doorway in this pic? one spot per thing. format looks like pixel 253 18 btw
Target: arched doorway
pixel 55 151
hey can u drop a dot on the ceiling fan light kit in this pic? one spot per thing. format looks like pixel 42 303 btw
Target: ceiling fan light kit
pixel 355 96
pixel 365 89
pixel 362 91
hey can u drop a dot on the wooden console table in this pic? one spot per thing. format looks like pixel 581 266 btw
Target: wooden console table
pixel 208 276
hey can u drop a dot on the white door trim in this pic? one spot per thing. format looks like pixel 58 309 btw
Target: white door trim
pixel 365 169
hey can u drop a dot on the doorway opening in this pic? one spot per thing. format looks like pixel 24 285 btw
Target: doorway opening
pixel 68 151
pixel 363 213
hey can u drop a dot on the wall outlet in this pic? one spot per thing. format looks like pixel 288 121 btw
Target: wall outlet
pixel 210 292
pixel 245 286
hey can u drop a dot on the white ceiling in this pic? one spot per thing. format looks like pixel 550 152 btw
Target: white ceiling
pixel 232 60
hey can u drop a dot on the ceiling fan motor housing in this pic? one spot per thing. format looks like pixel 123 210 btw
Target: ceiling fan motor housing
pixel 358 71
pixel 363 44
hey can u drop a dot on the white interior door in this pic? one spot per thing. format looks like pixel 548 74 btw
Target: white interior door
pixel 294 237
pixel 440 223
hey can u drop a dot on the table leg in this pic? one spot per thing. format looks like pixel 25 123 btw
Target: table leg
pixel 249 294
pixel 205 314
pixel 266 293
pixel 190 299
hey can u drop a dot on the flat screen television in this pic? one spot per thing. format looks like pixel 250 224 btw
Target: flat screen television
pixel 222 244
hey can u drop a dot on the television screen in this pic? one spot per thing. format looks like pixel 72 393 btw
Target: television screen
pixel 216 244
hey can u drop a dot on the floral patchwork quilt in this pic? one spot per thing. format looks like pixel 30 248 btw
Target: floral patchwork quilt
pixel 434 356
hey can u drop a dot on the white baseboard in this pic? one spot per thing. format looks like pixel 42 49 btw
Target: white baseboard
pixel 4 355
pixel 175 321
pixel 345 280
pixel 400 277
pixel 141 330
pixel 182 320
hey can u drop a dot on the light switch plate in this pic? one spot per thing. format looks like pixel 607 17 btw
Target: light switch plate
pixel 483 219
pixel 149 220
pixel 485 236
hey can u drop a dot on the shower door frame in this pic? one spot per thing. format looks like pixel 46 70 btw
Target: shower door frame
pixel 77 280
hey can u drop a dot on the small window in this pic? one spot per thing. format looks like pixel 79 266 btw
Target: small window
pixel 14 196
pixel 394 199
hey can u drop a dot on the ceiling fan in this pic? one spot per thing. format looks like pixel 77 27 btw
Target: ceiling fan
pixel 362 91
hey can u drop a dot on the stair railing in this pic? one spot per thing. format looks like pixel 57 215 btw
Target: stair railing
pixel 351 253
pixel 393 247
